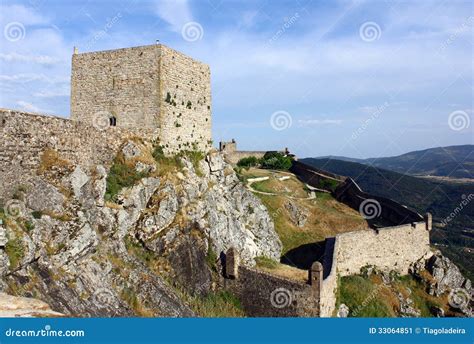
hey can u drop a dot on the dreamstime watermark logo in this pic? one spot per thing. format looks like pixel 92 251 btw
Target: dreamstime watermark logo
pixel 459 298
pixel 102 33
pixel 281 120
pixel 457 32
pixel 101 120
pixel 366 301
pixel 192 31
pixel 465 200
pixel 289 22
pixel 14 208
pixel 103 297
pixel 370 31
pixel 47 331
pixel 459 120
pixel 14 31
pixel 375 114
pixel 370 209
pixel 281 298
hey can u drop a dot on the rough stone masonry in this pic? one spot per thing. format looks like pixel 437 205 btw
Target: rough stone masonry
pixel 152 88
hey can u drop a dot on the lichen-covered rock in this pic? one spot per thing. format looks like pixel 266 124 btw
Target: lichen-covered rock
pixel 407 307
pixel 44 197
pixel 189 263
pixel 236 218
pixel 11 306
pixel 131 150
pixel 3 235
pixel 216 162
pixel 445 273
pixel 297 215
pixel 85 257
pixel 160 218
pixel 4 263
pixel 343 311
pixel 219 206
pixel 78 179
pixel 135 201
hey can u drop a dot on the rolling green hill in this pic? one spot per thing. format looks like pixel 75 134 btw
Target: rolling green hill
pixel 452 161
pixel 454 235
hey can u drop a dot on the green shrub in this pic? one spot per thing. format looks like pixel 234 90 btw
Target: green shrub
pixel 37 214
pixel 120 176
pixel 195 156
pixel 328 184
pixel 211 258
pixel 248 162
pixel 29 226
pixel 266 262
pixel 15 251
pixel 276 161
pixel 158 153
pixel 217 304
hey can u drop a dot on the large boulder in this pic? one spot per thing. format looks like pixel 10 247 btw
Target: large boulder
pixel 297 215
pixel 445 273
pixel 12 307
pixel 44 197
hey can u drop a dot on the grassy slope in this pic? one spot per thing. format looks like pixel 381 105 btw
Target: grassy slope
pixel 327 217
pixel 369 297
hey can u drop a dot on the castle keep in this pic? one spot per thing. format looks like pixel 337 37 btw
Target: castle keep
pixel 151 89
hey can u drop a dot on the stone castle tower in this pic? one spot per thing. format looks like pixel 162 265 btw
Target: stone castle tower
pixel 150 89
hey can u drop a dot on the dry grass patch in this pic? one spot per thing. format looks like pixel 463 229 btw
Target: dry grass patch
pixel 50 158
pixel 327 218
pixel 282 270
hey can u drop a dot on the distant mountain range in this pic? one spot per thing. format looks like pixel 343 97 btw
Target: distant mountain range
pixel 452 161
pixel 440 197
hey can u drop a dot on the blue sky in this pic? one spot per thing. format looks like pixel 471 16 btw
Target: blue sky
pixel 355 78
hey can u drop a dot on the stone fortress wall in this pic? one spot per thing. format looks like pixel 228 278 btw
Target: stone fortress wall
pixel 25 137
pixel 348 192
pixel 123 83
pixel 185 117
pixel 389 248
pixel 395 247
pixel 266 295
pixel 232 155
pixel 153 88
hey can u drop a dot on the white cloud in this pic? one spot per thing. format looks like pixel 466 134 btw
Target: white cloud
pixel 24 78
pixel 174 12
pixel 40 59
pixel 22 14
pixel 311 122
pixel 29 107
pixel 52 94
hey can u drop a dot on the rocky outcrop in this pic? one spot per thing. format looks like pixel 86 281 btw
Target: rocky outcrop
pixel 343 311
pixel 211 199
pixel 446 275
pixel 12 307
pixel 407 306
pixel 443 277
pixel 86 257
pixel 297 215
